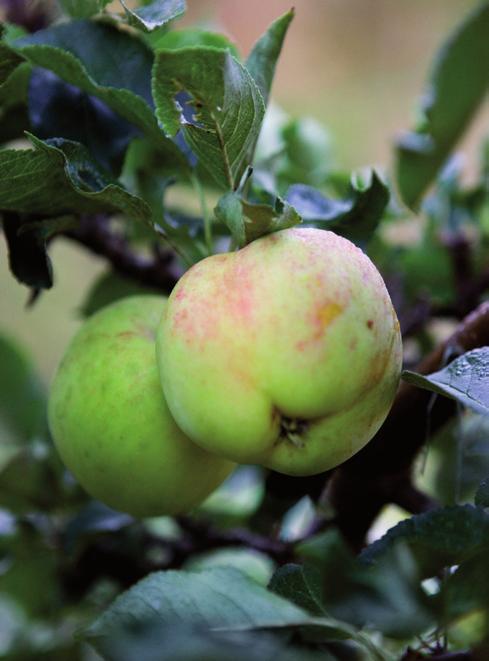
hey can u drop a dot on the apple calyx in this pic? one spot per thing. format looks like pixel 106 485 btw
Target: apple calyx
pixel 292 431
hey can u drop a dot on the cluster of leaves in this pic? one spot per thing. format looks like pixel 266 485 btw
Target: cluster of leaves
pixel 100 114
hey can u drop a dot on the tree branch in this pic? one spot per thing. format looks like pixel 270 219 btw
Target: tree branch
pixel 159 271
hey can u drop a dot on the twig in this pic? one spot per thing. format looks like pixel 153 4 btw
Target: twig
pixel 94 233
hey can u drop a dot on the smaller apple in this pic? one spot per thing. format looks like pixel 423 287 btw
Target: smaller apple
pixel 286 353
pixel 110 422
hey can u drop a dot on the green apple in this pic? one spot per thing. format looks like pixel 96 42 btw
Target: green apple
pixel 286 353
pixel 110 422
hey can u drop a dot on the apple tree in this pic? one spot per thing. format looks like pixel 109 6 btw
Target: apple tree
pixel 179 532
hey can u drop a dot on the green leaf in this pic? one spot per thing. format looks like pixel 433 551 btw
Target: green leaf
pixel 439 538
pixel 9 61
pixel 466 589
pixel 230 212
pixel 386 597
pixel 248 221
pixel 263 58
pixel 22 396
pixel 482 494
pixel 466 380
pixel 356 217
pixel 83 8
pixel 154 642
pixel 221 598
pixel 300 584
pixel 60 110
pixel 104 62
pixel 177 39
pixel 220 113
pixel 154 15
pixel 58 177
pixel 458 84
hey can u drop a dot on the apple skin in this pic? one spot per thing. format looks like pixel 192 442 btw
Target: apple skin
pixel 110 422
pixel 286 353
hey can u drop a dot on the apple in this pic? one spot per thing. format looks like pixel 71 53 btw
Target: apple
pixel 110 422
pixel 286 353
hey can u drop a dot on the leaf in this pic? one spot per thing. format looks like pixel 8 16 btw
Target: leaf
pixel 458 84
pixel 301 585
pixel 83 8
pixel 467 589
pixel 356 218
pixel 27 249
pixel 263 58
pixel 177 39
pixel 22 395
pixel 60 110
pixel 386 597
pixel 439 538
pixel 9 61
pixel 248 221
pixel 154 642
pixel 466 380
pixel 107 63
pixel 223 112
pixel 221 598
pixel 58 177
pixel 154 15
pixel 482 494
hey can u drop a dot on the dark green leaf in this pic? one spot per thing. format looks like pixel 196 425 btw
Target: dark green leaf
pixel 482 494
pixel 22 396
pixel 467 589
pixel 27 249
pixel 263 58
pixel 60 110
pixel 248 221
pixel 220 598
pixel 300 584
pixel 458 84
pixel 220 113
pixel 29 261
pixel 178 642
pixel 356 218
pixel 104 62
pixel 177 39
pixel 58 177
pixel 154 15
pixel 386 597
pixel 466 380
pixel 439 538
pixel 9 61
pixel 83 8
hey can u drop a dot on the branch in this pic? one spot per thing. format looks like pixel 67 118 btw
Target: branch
pixel 379 473
pixel 94 233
